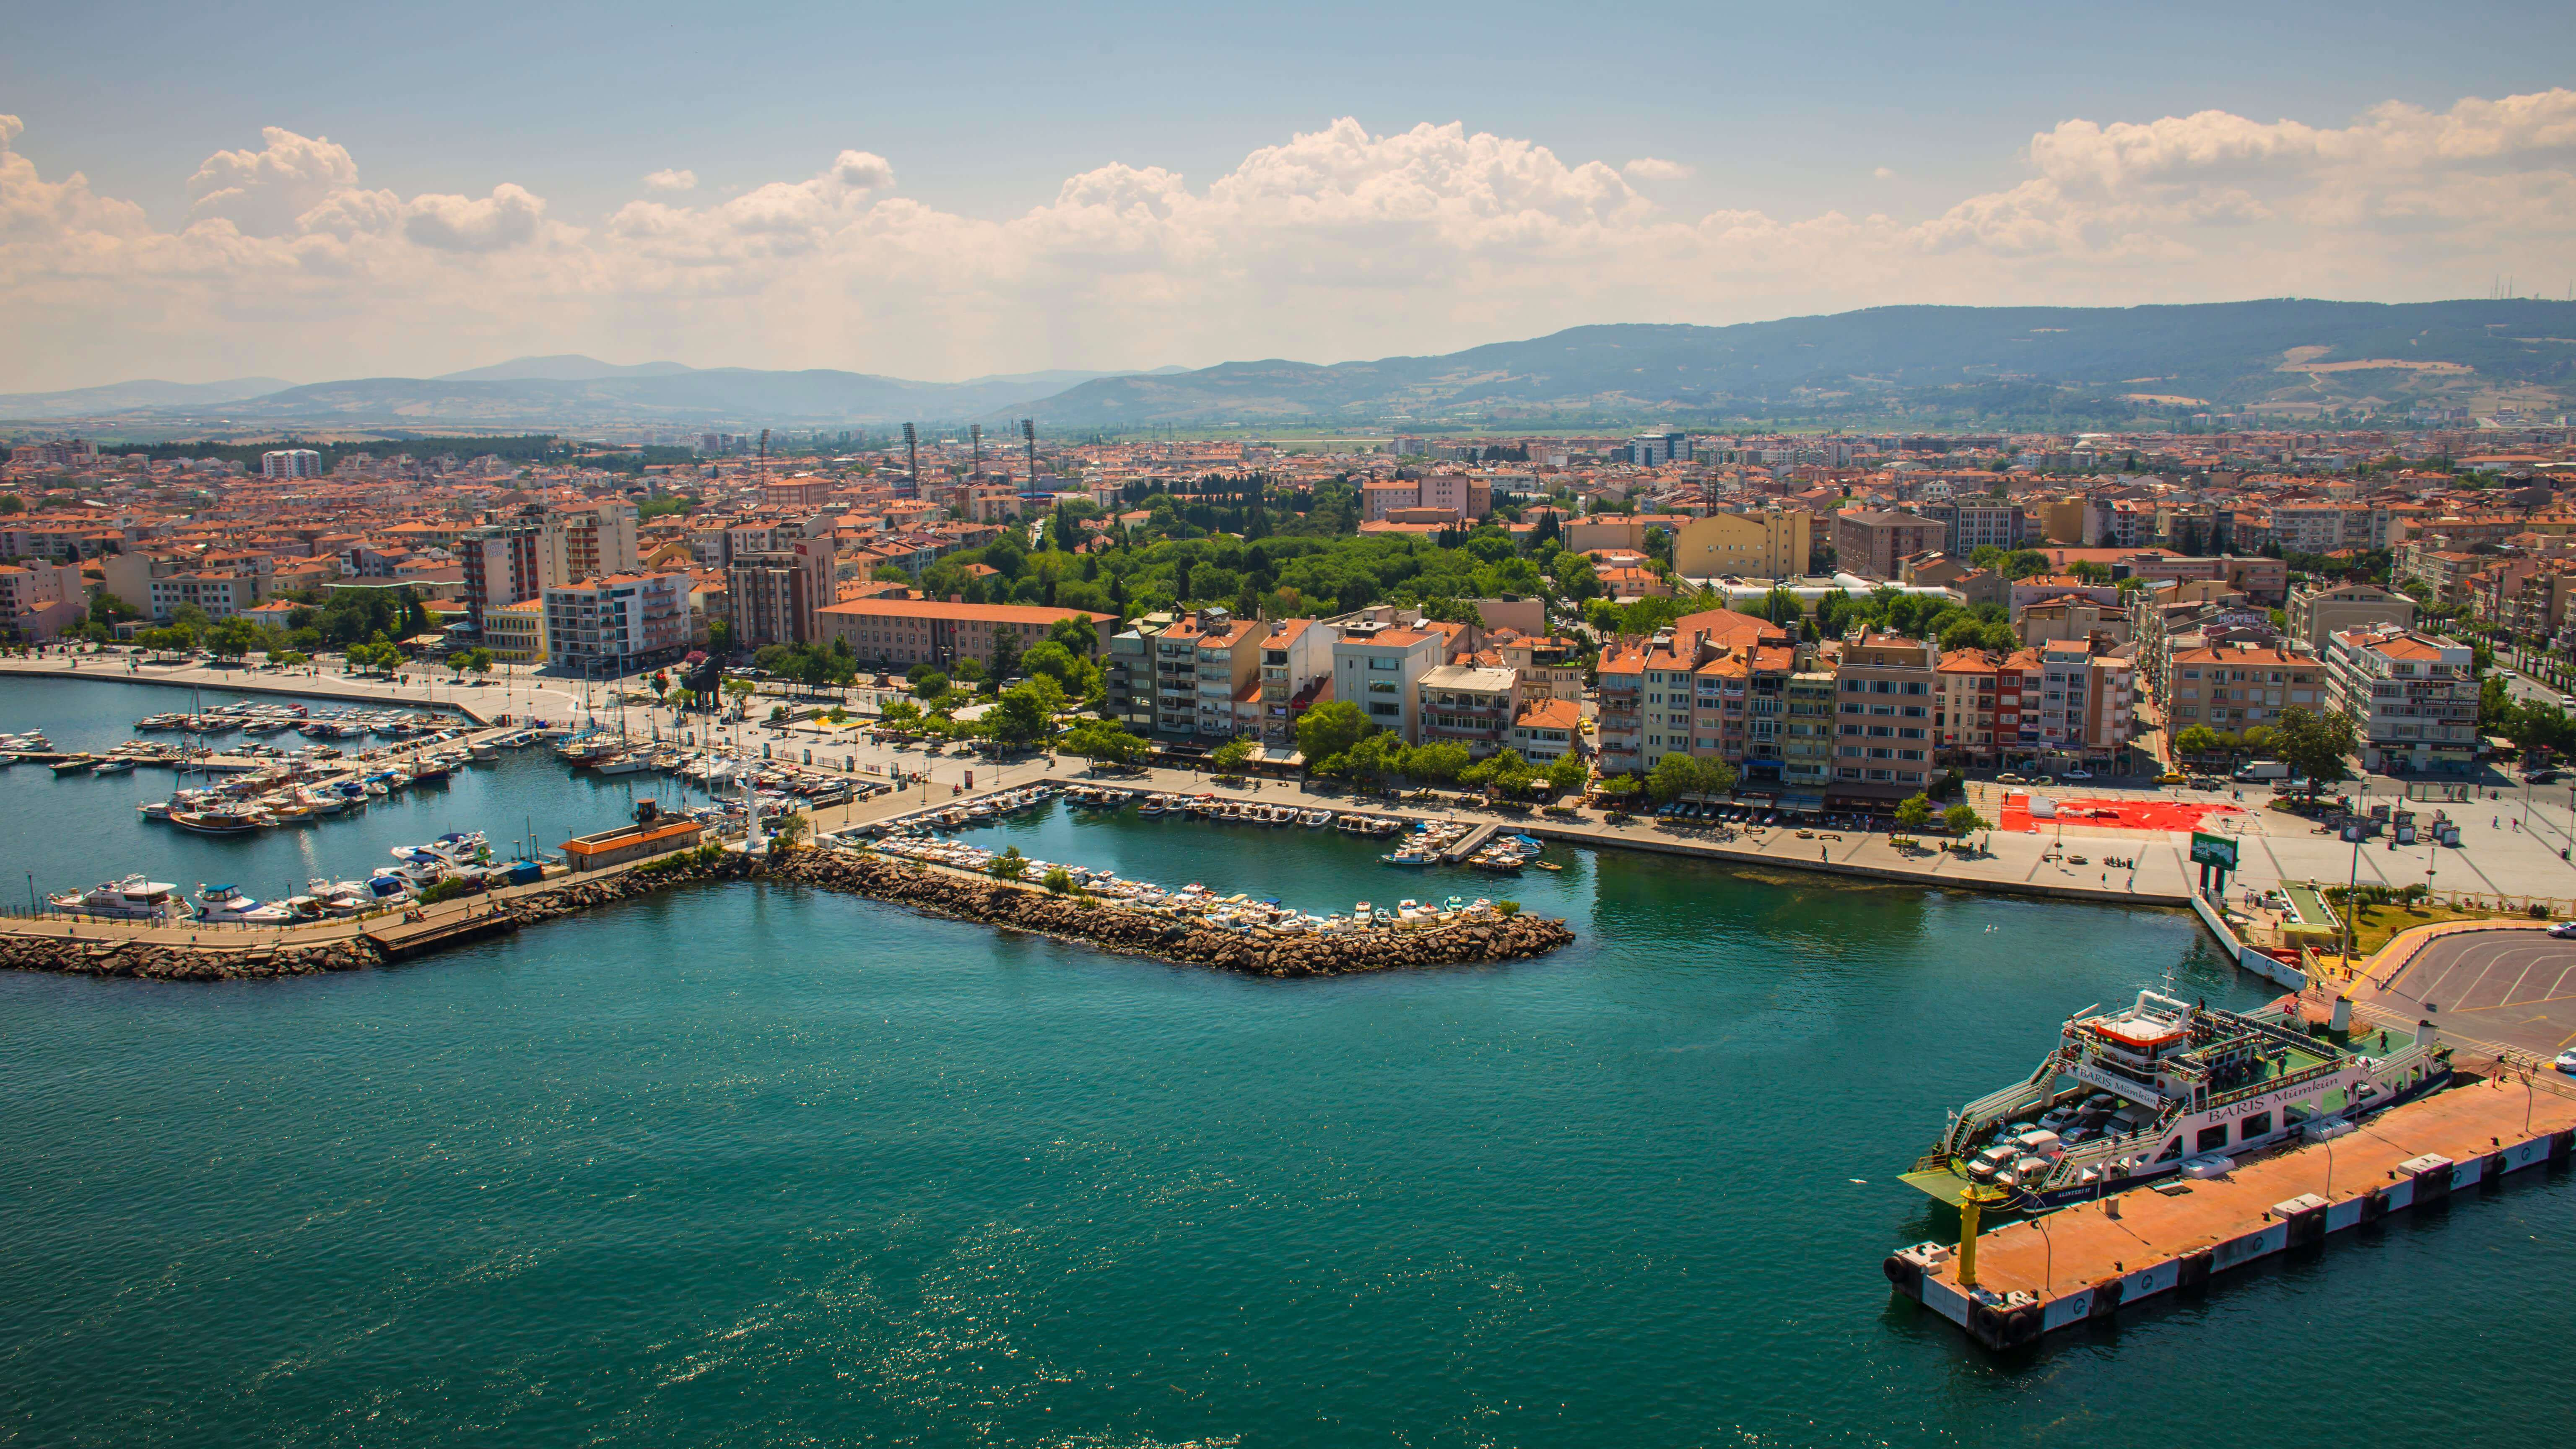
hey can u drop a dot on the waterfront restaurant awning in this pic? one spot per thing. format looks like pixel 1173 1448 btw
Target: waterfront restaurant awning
pixel 1868 793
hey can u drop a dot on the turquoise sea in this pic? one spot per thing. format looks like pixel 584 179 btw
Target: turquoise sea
pixel 760 1166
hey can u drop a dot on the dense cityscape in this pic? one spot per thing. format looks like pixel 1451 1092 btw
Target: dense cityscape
pixel 1184 728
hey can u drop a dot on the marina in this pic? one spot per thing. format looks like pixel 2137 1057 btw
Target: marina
pixel 1693 990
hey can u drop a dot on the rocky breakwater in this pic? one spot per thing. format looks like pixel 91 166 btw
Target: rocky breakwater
pixel 1180 939
pixel 247 956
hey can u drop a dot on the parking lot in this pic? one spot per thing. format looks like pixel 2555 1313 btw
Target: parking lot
pixel 2513 987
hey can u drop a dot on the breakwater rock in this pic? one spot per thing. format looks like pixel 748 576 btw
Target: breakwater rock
pixel 1142 933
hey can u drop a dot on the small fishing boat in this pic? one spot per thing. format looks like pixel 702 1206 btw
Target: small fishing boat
pixel 219 820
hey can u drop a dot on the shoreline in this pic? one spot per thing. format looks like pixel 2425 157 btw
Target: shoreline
pixel 314 687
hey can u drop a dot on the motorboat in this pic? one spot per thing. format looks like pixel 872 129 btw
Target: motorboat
pixel 130 899
pixel 115 765
pixel 220 820
pixel 228 903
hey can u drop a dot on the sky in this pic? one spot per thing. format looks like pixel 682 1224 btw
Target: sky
pixel 258 189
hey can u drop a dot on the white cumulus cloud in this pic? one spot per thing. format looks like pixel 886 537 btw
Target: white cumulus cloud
pixel 1334 243
pixel 672 180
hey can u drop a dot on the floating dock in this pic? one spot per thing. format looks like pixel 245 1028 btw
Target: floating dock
pixel 401 938
pixel 2060 1269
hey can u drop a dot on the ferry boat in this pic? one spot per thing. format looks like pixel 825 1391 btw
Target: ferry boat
pixel 2165 1086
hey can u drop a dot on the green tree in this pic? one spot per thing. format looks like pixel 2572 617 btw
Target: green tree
pixel 1020 719
pixel 1377 757
pixel 109 610
pixel 1231 756
pixel 233 638
pixel 1438 763
pixel 1058 880
pixel 1006 651
pixel 2197 741
pixel 930 684
pixel 1105 743
pixel 1964 820
pixel 2314 744
pixel 1567 772
pixel 788 831
pixel 1330 729
pixel 1009 865
pixel 1674 776
pixel 1914 813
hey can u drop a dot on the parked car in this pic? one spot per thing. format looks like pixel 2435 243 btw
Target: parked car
pixel 2078 773
pixel 2564 931
pixel 2172 777
pixel 2010 779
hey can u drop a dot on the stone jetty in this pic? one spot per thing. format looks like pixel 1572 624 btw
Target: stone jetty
pixel 1112 927
pixel 1094 922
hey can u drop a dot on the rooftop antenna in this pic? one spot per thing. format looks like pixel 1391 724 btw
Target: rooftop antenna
pixel 1029 435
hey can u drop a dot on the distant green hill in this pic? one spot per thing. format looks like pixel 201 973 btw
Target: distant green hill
pixel 1994 361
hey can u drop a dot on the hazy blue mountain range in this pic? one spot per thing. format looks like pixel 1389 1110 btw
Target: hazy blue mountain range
pixel 2063 363
pixel 120 397
pixel 2236 352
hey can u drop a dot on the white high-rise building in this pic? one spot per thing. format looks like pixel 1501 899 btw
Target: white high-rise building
pixel 291 463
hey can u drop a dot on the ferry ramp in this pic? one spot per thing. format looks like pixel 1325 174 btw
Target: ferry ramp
pixel 2513 987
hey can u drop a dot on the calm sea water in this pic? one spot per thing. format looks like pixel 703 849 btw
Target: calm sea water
pixel 760 1166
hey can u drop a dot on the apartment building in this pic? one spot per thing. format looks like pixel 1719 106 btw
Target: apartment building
pixel 1549 667
pixel 2083 709
pixel 1296 671
pixel 1127 673
pixel 1807 739
pixel 619 622
pixel 589 542
pixel 1379 665
pixel 1869 543
pixel 2231 686
pixel 2318 612
pixel 1974 523
pixel 1468 705
pixel 503 564
pixel 1886 687
pixel 2412 699
pixel 1546 730
pixel 1771 545
pixel 1457 496
pixel 39 600
pixel 1218 659
pixel 774 593
pixel 1621 724
pixel 1963 722
pixel 221 595
pixel 516 633
pixel 902 632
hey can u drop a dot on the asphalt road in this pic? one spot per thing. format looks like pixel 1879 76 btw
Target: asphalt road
pixel 2514 987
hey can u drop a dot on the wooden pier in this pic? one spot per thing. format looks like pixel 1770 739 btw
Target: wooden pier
pixel 2084 1263
pixel 1475 841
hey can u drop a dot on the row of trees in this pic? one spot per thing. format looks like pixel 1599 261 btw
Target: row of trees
pixel 2313 743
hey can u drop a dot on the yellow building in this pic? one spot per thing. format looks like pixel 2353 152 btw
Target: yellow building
pixel 1747 545
pixel 516 633
pixel 2061 520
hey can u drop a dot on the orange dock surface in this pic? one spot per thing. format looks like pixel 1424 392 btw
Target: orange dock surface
pixel 2083 1262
